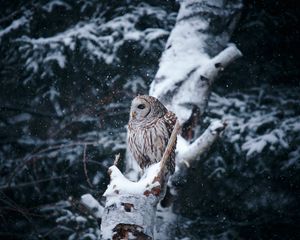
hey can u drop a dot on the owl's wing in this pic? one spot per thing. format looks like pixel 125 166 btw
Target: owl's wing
pixel 170 120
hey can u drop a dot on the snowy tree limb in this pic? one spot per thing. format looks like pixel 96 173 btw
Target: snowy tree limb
pixel 130 206
pixel 191 152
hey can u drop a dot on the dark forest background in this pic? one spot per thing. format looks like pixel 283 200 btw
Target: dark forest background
pixel 68 71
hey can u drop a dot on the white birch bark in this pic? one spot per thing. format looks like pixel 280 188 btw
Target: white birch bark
pixel 196 51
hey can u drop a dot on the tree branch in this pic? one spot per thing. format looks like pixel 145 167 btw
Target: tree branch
pixel 27 184
pixel 39 114
pixel 191 152
pixel 94 207
pixel 85 168
pixel 166 156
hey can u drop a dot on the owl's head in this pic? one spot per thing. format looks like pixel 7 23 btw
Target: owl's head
pixel 145 107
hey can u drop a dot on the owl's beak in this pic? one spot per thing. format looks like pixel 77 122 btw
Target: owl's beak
pixel 133 114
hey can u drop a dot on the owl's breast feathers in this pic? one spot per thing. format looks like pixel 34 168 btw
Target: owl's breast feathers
pixel 147 142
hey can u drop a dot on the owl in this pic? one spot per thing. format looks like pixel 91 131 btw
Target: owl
pixel 149 129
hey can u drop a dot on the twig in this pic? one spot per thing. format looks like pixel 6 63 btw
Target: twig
pixel 117 159
pixel 15 207
pixel 85 168
pixel 39 114
pixel 26 184
pixel 169 148
pixel 34 156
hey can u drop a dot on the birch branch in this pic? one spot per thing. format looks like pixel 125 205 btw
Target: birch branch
pixel 220 62
pixel 130 207
pixel 202 144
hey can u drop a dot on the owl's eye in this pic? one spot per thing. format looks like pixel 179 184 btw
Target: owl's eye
pixel 141 106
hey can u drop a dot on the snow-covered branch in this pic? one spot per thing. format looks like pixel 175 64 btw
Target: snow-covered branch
pixel 187 153
pixel 95 209
pixel 219 62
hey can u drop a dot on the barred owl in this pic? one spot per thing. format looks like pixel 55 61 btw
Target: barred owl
pixel 149 129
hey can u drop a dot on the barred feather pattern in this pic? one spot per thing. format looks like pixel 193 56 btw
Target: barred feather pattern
pixel 148 136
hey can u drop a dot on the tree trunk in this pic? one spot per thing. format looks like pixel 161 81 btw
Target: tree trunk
pixel 196 51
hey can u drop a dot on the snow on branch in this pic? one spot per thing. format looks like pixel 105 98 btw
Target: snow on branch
pixel 130 208
pixel 92 205
pixel 219 62
pixel 191 152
